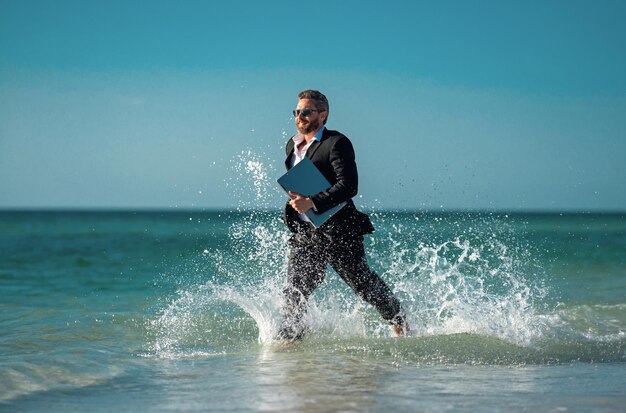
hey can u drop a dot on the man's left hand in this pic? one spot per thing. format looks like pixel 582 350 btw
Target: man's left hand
pixel 300 203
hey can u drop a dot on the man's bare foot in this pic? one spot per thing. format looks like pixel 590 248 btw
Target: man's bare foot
pixel 400 330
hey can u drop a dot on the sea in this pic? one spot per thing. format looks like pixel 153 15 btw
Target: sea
pixel 175 311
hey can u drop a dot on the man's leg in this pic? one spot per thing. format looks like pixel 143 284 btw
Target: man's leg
pixel 306 270
pixel 347 257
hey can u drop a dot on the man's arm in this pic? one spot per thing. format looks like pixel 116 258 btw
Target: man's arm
pixel 347 180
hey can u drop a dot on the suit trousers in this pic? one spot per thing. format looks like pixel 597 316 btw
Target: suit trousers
pixel 310 253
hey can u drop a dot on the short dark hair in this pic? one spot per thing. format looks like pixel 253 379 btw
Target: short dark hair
pixel 321 103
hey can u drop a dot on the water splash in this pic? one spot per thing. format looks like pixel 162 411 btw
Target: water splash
pixel 253 181
pixel 458 287
pixel 456 275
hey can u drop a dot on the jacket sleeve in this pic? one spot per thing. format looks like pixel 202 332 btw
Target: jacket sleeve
pixel 346 180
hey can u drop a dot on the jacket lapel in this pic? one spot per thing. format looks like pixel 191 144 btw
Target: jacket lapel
pixel 290 148
pixel 312 149
pixel 315 145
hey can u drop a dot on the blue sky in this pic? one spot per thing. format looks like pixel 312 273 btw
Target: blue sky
pixel 454 105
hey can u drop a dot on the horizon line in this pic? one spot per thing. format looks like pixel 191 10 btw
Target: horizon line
pixel 578 211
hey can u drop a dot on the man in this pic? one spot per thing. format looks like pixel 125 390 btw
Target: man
pixel 339 241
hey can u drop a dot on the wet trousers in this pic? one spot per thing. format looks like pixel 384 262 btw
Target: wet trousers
pixel 310 253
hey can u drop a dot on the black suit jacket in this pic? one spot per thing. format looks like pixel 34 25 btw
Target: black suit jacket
pixel 333 155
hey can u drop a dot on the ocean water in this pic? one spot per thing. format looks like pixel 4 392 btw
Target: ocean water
pixel 104 311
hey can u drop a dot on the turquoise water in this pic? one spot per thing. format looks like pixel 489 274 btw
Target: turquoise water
pixel 174 311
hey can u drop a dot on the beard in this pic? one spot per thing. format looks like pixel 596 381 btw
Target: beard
pixel 306 126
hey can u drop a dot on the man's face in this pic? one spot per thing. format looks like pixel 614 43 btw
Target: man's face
pixel 313 121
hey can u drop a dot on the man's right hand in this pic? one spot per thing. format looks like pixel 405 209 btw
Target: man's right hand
pixel 300 203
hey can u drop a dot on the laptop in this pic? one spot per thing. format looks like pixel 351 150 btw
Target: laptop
pixel 305 179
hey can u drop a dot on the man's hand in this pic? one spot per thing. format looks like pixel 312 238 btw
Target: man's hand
pixel 300 203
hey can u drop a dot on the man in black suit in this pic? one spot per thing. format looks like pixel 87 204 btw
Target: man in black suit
pixel 339 241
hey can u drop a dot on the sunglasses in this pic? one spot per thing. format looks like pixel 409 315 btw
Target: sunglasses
pixel 304 112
